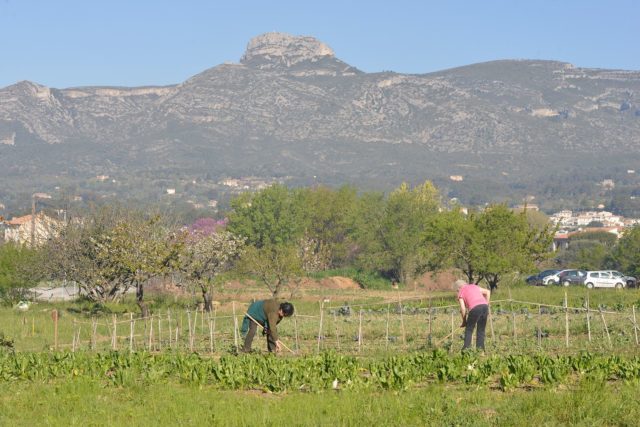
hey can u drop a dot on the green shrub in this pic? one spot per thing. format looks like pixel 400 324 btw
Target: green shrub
pixel 366 279
pixel 14 261
pixel 343 272
pixel 371 280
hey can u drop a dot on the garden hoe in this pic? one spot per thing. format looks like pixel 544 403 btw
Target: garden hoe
pixel 258 323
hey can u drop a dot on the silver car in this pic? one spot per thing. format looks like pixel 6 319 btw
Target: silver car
pixel 604 279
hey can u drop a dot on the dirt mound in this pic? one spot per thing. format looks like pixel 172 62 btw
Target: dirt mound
pixel 437 282
pixel 336 282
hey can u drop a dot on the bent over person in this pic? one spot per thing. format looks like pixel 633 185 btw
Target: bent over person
pixel 474 309
pixel 266 313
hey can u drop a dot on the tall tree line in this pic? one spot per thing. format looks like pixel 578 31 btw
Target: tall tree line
pixel 278 235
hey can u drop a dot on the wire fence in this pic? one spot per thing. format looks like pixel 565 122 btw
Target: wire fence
pixel 402 325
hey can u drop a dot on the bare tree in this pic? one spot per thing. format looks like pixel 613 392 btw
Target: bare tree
pixel 274 266
pixel 205 256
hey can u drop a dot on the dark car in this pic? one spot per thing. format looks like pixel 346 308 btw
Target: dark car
pixel 536 279
pixel 572 277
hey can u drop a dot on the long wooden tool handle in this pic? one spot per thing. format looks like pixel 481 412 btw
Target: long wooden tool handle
pixel 259 324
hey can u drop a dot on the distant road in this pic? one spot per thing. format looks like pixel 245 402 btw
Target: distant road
pixel 58 293
pixel 62 293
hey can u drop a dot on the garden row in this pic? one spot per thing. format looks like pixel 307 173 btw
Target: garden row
pixel 324 371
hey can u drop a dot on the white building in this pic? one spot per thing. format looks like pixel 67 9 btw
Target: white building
pixel 28 229
pixel 567 218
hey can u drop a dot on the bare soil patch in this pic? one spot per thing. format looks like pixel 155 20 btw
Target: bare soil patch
pixel 336 282
pixel 437 282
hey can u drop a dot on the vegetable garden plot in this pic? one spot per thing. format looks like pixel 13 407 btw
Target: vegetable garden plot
pixel 405 326
pixel 325 371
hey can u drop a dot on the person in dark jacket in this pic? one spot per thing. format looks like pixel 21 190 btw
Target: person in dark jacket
pixel 266 313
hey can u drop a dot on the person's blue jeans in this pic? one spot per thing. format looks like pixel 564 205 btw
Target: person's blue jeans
pixel 476 319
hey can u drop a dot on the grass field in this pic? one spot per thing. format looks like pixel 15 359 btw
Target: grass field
pixel 385 329
pixel 87 403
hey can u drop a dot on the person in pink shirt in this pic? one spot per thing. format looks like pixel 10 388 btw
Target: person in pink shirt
pixel 474 309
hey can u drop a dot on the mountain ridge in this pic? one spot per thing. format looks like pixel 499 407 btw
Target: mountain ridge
pixel 291 103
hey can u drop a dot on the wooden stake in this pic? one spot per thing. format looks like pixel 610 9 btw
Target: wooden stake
pixel 513 318
pixel 493 337
pixel 452 330
pixel 635 324
pixel 159 331
pixel 54 316
pixel 235 327
pixel 320 326
pixel 181 328
pixel 151 334
pixel 78 336
pixel 295 331
pixel 335 324
pixel 169 323
pixel 210 323
pixel 404 335
pixel 588 318
pixel 73 341
pixel 190 331
pixel 387 329
pixel 360 332
pixel 429 334
pixel 539 326
pixel 566 320
pixel 213 329
pixel 114 338
pixel 131 329
pixel 195 328
pixel 144 332
pixel 604 323
pixel 94 328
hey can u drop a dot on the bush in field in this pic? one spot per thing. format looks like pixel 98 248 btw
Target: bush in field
pixel 370 280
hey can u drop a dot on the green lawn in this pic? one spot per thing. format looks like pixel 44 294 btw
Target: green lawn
pixel 87 403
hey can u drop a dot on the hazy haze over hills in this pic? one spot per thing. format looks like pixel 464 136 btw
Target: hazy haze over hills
pixel 290 108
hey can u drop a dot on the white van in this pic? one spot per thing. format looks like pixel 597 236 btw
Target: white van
pixel 603 279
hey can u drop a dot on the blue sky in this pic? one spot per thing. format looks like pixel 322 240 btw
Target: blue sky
pixel 65 43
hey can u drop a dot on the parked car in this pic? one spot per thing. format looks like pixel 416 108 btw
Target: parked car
pixel 552 279
pixel 572 277
pixel 536 279
pixel 630 281
pixel 603 279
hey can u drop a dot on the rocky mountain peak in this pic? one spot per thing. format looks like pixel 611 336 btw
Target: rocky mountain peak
pixel 28 88
pixel 276 50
